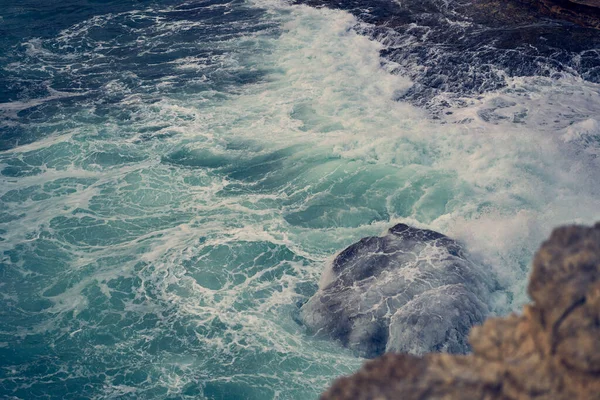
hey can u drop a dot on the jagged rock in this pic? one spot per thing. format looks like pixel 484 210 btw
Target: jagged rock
pixel 550 352
pixel 412 290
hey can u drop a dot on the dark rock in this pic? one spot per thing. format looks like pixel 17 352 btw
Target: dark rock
pixel 412 290
pixel 589 3
pixel 582 12
pixel 550 352
pixel 438 320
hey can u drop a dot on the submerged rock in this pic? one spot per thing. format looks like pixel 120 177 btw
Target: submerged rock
pixel 412 290
pixel 551 352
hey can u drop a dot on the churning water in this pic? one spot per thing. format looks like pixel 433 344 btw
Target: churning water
pixel 175 176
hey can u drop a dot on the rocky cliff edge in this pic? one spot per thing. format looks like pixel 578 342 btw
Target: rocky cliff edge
pixel 550 352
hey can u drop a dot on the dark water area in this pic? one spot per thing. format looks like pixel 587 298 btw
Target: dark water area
pixel 25 20
pixel 64 56
pixel 28 18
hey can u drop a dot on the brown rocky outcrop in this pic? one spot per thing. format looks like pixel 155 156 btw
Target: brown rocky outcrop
pixel 550 352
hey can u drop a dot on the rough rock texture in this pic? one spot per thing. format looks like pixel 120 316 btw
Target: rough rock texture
pixel 582 12
pixel 591 3
pixel 411 291
pixel 551 352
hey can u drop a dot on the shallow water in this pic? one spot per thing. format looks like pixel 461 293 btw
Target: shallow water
pixel 176 175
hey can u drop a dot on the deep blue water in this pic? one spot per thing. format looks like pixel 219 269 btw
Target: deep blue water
pixel 175 176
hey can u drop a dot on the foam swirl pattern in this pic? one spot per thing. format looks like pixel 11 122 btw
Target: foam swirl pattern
pixel 175 175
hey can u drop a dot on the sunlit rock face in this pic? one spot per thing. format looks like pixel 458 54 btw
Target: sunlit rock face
pixel 412 290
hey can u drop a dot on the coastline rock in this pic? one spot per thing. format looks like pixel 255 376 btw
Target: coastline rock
pixel 550 352
pixel 412 290
pixel 591 3
pixel 581 12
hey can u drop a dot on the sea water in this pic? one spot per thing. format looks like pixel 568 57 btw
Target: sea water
pixel 176 175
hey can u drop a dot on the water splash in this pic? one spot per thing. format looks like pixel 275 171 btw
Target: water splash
pixel 160 225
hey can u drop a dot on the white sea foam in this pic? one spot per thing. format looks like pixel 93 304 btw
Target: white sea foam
pixel 201 219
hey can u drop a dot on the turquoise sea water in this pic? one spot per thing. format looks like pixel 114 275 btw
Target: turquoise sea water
pixel 175 176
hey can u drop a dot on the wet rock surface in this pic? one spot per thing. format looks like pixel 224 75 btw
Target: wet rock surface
pixel 550 352
pixel 412 290
pixel 590 3
pixel 582 12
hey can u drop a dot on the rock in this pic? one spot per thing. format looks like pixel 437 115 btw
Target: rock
pixel 590 3
pixel 550 352
pixel 582 12
pixel 437 320
pixel 412 290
